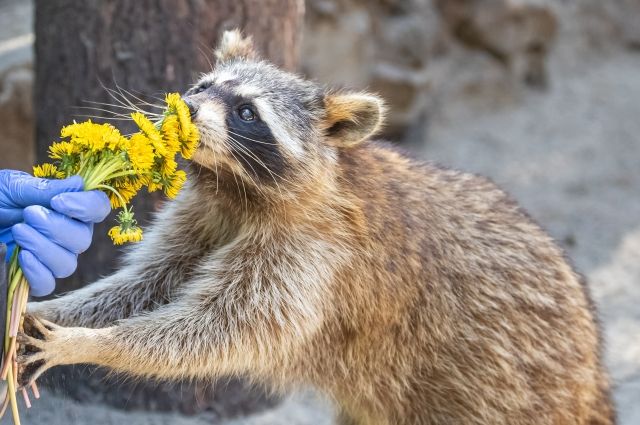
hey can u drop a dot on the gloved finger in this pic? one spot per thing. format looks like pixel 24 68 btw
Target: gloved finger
pixel 61 262
pixel 10 216
pixel 38 275
pixel 24 190
pixel 72 235
pixel 91 207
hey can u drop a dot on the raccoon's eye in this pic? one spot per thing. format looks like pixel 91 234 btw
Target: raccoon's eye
pixel 246 113
pixel 199 89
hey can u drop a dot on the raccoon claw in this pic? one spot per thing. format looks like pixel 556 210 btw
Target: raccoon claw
pixel 30 373
pixel 37 349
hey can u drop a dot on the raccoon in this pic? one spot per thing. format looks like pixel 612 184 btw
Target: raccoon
pixel 304 253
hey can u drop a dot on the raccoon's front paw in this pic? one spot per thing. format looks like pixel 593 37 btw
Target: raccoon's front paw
pixel 44 345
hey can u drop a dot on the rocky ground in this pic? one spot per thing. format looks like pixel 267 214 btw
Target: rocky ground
pixel 570 154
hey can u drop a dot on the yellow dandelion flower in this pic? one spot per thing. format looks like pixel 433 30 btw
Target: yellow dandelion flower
pixel 140 152
pixel 184 118
pixel 73 129
pixel 190 144
pixel 168 167
pixel 60 149
pixel 121 236
pixel 112 137
pixel 152 133
pixel 175 184
pixel 144 179
pixel 154 186
pixel 48 171
pixel 126 191
pixel 151 181
pixel 189 135
pixel 172 100
pixel 171 133
pixel 92 136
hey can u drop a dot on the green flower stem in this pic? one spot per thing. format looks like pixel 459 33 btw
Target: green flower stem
pixel 92 177
pixel 101 172
pixel 16 278
pixel 110 167
pixel 89 173
pixel 11 392
pixel 10 292
pixel 83 163
pixel 120 174
pixel 109 188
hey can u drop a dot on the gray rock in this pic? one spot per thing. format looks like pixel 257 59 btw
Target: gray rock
pixel 397 47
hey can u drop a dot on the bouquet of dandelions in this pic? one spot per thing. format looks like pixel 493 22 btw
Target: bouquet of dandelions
pixel 118 165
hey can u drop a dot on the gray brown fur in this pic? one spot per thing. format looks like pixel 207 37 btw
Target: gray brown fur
pixel 408 293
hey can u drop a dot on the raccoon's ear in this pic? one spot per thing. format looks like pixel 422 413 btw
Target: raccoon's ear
pixel 234 45
pixel 352 117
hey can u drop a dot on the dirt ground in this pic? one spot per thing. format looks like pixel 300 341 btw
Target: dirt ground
pixel 571 156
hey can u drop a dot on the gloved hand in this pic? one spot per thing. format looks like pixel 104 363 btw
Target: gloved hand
pixel 51 220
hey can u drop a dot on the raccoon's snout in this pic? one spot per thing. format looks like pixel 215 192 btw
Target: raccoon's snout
pixel 193 108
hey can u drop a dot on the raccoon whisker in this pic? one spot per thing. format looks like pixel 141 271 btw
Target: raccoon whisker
pixel 215 164
pixel 113 105
pixel 215 161
pixel 244 190
pixel 278 187
pixel 253 181
pixel 233 173
pixel 130 106
pixel 113 113
pixel 250 139
pixel 123 100
pixel 101 117
pixel 273 175
pixel 159 98
pixel 142 101
pixel 113 94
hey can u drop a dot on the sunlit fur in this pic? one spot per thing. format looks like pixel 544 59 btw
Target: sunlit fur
pixel 408 293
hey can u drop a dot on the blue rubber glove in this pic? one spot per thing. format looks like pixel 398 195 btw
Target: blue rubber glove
pixel 51 220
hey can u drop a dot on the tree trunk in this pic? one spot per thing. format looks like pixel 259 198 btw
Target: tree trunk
pixel 148 47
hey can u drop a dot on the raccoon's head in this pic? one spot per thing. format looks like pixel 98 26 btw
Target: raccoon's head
pixel 268 131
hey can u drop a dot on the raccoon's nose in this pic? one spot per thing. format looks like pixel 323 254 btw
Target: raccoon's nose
pixel 193 108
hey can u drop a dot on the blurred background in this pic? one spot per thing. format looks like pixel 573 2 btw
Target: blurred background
pixel 543 96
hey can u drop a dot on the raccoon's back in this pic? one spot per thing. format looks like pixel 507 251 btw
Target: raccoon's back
pixel 466 289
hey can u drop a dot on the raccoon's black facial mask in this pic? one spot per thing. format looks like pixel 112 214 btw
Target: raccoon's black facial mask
pixel 250 139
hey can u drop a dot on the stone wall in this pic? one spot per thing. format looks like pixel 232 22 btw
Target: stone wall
pixel 414 52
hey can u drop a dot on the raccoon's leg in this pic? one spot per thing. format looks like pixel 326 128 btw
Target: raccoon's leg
pixel 153 271
pixel 213 329
pixel 174 341
pixel 115 297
